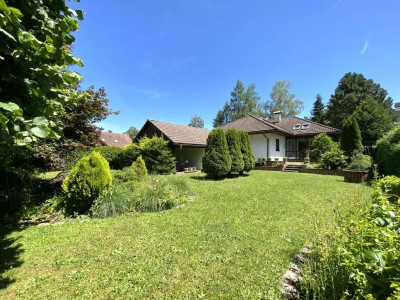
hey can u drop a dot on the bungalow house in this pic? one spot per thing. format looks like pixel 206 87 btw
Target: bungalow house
pixel 274 139
pixel 280 137
pixel 188 143
pixel 114 139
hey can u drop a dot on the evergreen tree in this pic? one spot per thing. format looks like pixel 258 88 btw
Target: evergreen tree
pixel 350 140
pixel 317 113
pixel 216 160
pixel 374 121
pixel 247 152
pixel 233 141
pixel 139 167
pixel 157 155
pixel 321 144
pixel 89 179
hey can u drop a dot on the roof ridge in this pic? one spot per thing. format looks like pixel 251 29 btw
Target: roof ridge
pixel 186 126
pixel 276 126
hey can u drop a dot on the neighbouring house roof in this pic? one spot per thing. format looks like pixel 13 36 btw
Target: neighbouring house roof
pixel 176 134
pixel 115 139
pixel 288 126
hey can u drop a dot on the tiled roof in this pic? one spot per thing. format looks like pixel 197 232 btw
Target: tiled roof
pixel 180 134
pixel 115 139
pixel 253 124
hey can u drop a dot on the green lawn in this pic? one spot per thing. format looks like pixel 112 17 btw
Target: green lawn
pixel 234 240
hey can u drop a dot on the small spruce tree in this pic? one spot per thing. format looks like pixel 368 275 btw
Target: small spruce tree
pixel 350 139
pixel 233 141
pixel 89 179
pixel 157 155
pixel 247 152
pixel 139 167
pixel 216 160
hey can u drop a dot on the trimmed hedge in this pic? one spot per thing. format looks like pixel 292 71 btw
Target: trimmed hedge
pixel 216 160
pixel 233 141
pixel 388 152
pixel 247 152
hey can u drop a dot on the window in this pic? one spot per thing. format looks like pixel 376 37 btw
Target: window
pixel 277 145
pixel 305 126
pixel 296 126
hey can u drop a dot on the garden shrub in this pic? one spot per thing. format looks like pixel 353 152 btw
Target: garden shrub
pixel 157 155
pixel 361 259
pixel 124 175
pixel 89 179
pixel 216 160
pixel 388 152
pixel 247 152
pixel 360 162
pixel 321 144
pixel 129 154
pixel 334 159
pixel 233 142
pixel 139 168
pixel 260 161
pixel 350 139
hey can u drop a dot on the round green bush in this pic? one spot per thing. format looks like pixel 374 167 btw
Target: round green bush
pixel 334 159
pixel 139 168
pixel 247 152
pixel 90 178
pixel 233 141
pixel 322 143
pixel 216 160
pixel 388 152
pixel 360 162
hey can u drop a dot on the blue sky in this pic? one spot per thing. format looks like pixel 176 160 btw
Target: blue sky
pixel 171 60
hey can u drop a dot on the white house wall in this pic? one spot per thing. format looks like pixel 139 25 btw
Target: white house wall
pixel 264 145
pixel 189 157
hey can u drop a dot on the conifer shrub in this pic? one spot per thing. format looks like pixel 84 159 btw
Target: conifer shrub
pixel 157 155
pixel 139 167
pixel 350 140
pixel 216 160
pixel 89 179
pixel 247 152
pixel 388 152
pixel 125 159
pixel 322 143
pixel 334 159
pixel 233 141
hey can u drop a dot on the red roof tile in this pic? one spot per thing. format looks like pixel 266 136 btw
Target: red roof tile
pixel 115 139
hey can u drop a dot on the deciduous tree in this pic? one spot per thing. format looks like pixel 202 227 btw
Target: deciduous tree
pixel 196 121
pixel 282 100
pixel 132 132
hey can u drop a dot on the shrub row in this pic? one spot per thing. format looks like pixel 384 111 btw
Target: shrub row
pixel 227 153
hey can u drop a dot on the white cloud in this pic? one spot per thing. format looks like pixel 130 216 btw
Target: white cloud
pixel 365 47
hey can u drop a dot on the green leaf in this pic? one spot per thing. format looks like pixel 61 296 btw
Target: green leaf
pixel 7 34
pixel 41 131
pixel 28 140
pixel 12 107
pixel 3 120
pixel 49 48
pixel 3 6
pixel 16 12
pixel 71 77
pixel 40 121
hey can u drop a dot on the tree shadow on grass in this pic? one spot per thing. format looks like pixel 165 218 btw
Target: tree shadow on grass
pixel 206 178
pixel 10 251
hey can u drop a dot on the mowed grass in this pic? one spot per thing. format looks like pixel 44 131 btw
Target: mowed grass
pixel 234 240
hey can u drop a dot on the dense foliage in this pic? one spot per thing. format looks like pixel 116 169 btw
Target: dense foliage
pixel 374 121
pixel 233 141
pixel 321 143
pixel 132 132
pixel 360 162
pixel 216 160
pixel 247 152
pixel 89 179
pixel 334 159
pixel 388 152
pixel 139 167
pixel 157 155
pixel 352 90
pixel 361 260
pixel 350 139
pixel 35 53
